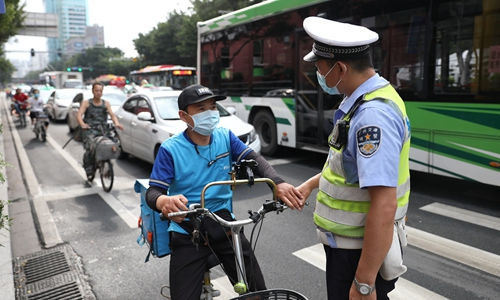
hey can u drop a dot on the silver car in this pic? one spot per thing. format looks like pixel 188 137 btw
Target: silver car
pixel 115 97
pixel 59 101
pixel 149 118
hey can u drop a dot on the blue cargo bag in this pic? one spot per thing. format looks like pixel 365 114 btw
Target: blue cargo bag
pixel 154 231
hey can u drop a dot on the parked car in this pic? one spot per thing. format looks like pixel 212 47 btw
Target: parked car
pixel 59 101
pixel 115 97
pixel 151 117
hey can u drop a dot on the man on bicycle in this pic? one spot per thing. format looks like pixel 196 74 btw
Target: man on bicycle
pixel 185 163
pixel 20 102
pixel 95 112
pixel 36 107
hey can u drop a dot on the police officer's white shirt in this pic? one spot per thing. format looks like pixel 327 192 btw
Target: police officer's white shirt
pixel 381 167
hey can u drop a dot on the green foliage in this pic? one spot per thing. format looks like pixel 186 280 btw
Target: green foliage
pixel 174 41
pixel 4 218
pixel 6 70
pixel 10 22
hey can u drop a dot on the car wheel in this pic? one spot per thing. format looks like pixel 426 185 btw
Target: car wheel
pixel 123 154
pixel 265 125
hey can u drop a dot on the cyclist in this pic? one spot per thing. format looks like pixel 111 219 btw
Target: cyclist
pixel 36 107
pixel 185 163
pixel 20 102
pixel 95 112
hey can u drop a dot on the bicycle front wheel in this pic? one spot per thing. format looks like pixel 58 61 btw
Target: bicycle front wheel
pixel 275 294
pixel 107 175
pixel 43 133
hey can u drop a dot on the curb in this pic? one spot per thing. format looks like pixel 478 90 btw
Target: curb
pixel 6 275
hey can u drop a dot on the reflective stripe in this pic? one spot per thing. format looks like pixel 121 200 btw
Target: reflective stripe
pixel 335 163
pixel 403 188
pixel 352 193
pixel 159 182
pixel 348 217
pixel 340 216
pixel 337 241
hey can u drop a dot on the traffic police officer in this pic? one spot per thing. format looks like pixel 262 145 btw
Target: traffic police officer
pixel 364 186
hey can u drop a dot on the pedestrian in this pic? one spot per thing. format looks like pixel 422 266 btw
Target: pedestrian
pixel 185 163
pixel 95 112
pixel 364 186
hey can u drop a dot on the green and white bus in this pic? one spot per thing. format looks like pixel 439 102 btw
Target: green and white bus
pixel 443 57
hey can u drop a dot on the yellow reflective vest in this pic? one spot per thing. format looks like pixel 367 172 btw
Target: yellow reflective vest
pixel 341 207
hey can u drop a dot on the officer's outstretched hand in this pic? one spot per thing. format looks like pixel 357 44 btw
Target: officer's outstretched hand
pixel 170 204
pixel 290 195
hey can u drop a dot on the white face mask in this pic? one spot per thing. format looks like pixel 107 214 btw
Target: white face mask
pixel 205 122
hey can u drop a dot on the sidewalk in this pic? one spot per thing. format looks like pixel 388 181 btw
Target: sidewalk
pixel 22 237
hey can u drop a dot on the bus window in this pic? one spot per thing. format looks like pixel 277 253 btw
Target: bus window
pixel 400 57
pixel 455 57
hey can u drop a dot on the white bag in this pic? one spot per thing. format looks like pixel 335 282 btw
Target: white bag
pixel 393 267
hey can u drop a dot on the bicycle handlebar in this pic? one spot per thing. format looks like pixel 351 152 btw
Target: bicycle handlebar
pixel 196 210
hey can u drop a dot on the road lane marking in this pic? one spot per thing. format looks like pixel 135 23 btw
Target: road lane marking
pixel 467 255
pixel 120 209
pixel 49 234
pixel 111 200
pixel 405 289
pixel 463 215
pixel 225 287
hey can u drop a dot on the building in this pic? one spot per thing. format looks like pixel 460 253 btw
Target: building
pixel 94 36
pixel 72 22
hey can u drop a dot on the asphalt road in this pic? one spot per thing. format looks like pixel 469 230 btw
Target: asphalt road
pixel 448 257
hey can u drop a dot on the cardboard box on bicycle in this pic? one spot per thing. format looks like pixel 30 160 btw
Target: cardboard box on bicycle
pixel 154 231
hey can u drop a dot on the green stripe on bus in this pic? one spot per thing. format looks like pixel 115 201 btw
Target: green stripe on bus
pixel 248 107
pixel 255 12
pixel 449 151
pixel 236 99
pixel 442 170
pixel 290 103
pixel 283 121
pixel 484 118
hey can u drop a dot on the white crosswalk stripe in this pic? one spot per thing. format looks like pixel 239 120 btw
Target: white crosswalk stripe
pixel 463 215
pixel 405 289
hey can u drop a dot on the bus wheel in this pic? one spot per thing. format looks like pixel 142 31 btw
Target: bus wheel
pixel 265 126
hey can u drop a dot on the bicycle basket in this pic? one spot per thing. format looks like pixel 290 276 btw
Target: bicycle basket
pixel 274 294
pixel 106 149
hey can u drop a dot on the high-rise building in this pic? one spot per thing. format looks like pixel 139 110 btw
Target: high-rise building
pixel 94 36
pixel 72 22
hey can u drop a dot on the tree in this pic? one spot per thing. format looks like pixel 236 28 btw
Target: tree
pixel 174 41
pixel 10 22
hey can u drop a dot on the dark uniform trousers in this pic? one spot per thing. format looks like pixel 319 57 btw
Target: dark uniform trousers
pixel 341 265
pixel 188 264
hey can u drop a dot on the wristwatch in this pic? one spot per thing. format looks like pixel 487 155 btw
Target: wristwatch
pixel 363 288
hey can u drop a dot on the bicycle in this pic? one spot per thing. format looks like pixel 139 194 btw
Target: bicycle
pixel 40 128
pixel 198 212
pixel 104 148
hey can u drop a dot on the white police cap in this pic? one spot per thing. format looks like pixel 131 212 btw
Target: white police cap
pixel 336 40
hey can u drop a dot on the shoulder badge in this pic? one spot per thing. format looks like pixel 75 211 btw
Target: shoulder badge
pixel 368 139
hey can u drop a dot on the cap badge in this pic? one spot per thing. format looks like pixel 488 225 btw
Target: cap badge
pixel 203 91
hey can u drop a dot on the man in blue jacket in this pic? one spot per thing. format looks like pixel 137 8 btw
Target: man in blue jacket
pixel 185 163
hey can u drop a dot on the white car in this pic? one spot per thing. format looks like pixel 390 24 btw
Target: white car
pixel 151 117
pixel 59 101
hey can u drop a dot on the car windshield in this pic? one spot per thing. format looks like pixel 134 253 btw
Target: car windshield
pixel 115 99
pixel 168 109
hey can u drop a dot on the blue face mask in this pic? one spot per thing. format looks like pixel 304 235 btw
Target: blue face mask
pixel 205 122
pixel 36 96
pixel 322 82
